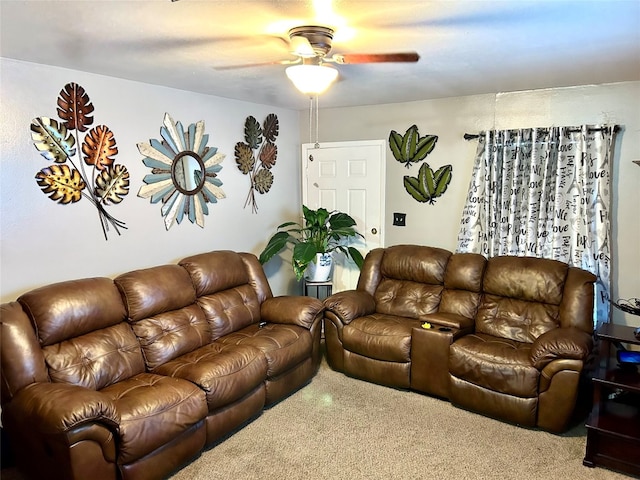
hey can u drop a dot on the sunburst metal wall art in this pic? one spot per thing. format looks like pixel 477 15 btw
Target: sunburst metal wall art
pixel 260 139
pixel 107 182
pixel 183 172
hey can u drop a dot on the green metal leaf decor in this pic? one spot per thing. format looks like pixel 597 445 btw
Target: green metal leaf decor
pixel 252 133
pixel 67 183
pixel 184 172
pixel 411 147
pixel 257 155
pixel 428 185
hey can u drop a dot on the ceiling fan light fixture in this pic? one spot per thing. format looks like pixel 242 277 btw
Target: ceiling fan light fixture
pixel 312 79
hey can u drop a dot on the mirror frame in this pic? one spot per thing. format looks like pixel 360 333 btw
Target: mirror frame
pixel 174 164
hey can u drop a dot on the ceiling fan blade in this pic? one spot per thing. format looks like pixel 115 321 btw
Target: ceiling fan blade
pixel 352 58
pixel 181 43
pixel 507 13
pixel 259 64
pixel 301 46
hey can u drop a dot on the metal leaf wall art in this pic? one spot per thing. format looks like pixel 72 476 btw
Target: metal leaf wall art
pixel 428 185
pixel 257 155
pixel 67 181
pixel 184 172
pixel 411 148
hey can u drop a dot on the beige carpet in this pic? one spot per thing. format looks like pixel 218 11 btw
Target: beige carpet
pixel 342 428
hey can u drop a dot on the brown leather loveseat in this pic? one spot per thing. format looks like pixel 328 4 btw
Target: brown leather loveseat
pixel 508 336
pixel 131 378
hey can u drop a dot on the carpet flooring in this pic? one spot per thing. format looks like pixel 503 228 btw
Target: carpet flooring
pixel 342 428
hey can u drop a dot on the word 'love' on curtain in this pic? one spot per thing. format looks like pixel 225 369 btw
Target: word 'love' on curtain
pixel 544 192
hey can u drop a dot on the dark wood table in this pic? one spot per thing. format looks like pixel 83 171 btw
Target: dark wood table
pixel 613 427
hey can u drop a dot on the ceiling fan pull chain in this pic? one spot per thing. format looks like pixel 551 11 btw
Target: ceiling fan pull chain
pixel 317 145
pixel 310 118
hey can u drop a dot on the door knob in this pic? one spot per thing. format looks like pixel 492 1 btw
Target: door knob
pixel 374 231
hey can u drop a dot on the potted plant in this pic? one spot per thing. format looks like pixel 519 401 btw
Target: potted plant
pixel 313 243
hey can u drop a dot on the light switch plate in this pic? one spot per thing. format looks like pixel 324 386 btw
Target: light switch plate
pixel 399 219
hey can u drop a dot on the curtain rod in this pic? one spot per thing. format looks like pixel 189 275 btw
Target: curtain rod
pixel 616 128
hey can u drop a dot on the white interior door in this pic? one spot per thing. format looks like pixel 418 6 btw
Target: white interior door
pixel 349 177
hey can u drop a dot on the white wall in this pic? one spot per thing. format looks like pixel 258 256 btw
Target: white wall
pixel 43 242
pixel 450 118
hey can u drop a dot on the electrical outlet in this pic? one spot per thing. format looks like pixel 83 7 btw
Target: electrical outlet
pixel 399 219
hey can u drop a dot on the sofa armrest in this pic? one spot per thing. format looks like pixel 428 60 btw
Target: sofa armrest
pixel 350 304
pixel 58 407
pixel 292 310
pixel 561 343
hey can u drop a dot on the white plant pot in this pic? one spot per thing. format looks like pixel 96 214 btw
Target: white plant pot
pixel 320 270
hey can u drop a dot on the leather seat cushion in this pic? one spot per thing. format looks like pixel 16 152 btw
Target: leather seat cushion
pixel 154 410
pixel 230 310
pixel 498 364
pixel 225 372
pixel 97 359
pixel 284 346
pixel 406 298
pixel 380 336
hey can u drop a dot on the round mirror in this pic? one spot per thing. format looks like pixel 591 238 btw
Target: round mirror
pixel 187 172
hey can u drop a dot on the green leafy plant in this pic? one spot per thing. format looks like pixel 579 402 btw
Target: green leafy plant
pixel 322 232
pixel 428 185
pixel 411 147
pixel 106 183
pixel 259 145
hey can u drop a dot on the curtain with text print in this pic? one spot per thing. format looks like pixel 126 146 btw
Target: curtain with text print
pixel 544 192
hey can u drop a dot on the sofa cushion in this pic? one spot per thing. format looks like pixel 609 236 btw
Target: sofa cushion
pixel 153 411
pixel 522 297
pixel 465 271
pixel 97 359
pixel 284 346
pixel 498 364
pixel 381 337
pixel 460 302
pixel 415 263
pixel 526 278
pixel 215 271
pixel 155 290
pixel 230 310
pixel 406 298
pixel 68 309
pixel 226 373
pixel 463 284
pixel 515 319
pixel 411 280
pixel 168 335
pixel 161 304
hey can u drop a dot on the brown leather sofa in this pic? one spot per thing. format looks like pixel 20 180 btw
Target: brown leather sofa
pixel 132 378
pixel 509 336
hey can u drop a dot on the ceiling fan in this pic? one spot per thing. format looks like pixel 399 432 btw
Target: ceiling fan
pixel 311 45
pixel 314 41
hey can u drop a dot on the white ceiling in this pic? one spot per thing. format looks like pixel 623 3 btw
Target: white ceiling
pixel 466 47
